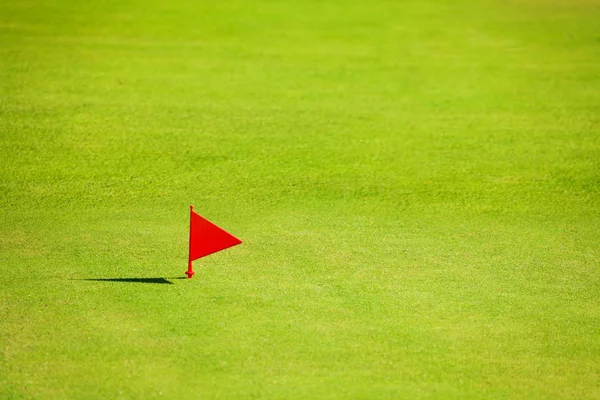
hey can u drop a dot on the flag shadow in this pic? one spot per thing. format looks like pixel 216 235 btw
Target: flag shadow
pixel 163 281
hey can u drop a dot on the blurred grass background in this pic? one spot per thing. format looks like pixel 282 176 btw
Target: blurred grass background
pixel 416 184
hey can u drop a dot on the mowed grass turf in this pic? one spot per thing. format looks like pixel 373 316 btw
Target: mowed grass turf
pixel 416 184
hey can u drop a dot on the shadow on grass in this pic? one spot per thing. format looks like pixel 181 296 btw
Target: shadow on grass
pixel 163 281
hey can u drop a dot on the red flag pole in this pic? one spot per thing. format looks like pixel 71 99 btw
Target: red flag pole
pixel 190 271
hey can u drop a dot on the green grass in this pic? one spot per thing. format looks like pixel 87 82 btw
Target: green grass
pixel 417 184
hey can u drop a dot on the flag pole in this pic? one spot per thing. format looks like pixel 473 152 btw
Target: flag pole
pixel 190 271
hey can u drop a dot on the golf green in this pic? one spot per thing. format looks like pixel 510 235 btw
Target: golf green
pixel 416 183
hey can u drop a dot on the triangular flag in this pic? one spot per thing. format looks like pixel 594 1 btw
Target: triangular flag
pixel 206 238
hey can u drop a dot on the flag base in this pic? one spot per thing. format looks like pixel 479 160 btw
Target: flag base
pixel 190 272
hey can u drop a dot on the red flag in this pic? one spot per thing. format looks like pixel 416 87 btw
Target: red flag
pixel 206 238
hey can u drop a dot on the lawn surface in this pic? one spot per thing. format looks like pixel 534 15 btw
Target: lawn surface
pixel 417 185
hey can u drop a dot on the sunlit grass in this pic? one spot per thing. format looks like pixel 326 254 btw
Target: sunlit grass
pixel 416 184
